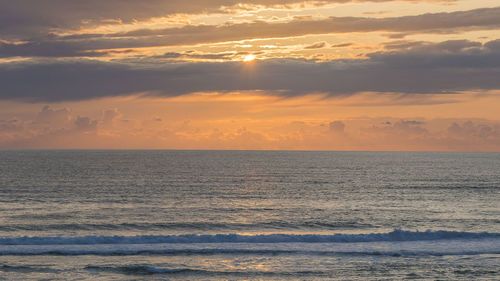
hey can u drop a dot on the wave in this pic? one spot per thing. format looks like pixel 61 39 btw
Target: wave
pixel 26 269
pixel 197 226
pixel 395 235
pixel 150 270
pixel 142 269
pixel 258 252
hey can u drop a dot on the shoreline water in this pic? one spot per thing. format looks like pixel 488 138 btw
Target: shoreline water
pixel 248 215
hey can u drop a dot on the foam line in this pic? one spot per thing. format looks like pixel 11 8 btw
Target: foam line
pixel 395 235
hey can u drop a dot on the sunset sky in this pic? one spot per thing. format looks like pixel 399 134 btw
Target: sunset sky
pixel 237 74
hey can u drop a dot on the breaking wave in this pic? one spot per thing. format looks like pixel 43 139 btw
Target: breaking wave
pixel 395 243
pixel 150 270
pixel 395 235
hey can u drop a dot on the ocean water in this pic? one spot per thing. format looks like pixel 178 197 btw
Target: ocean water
pixel 249 215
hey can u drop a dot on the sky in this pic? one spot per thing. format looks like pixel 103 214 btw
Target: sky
pixel 408 75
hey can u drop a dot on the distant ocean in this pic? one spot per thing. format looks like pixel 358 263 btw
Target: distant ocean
pixel 249 215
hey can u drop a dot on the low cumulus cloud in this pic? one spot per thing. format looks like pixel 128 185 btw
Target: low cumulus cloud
pixel 412 122
pixel 153 132
pixel 109 116
pixel 477 135
pixel 445 67
pixel 11 125
pixel 470 130
pixel 49 126
pixel 402 128
pixel 85 124
pixel 51 117
pixel 337 127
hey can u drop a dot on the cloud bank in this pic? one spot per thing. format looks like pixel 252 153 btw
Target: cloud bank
pixel 446 67
pixel 62 128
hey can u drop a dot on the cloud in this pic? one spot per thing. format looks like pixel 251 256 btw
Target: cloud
pixel 49 128
pixel 458 135
pixel 437 68
pixel 31 18
pixel 11 125
pixel 337 127
pixel 402 128
pixel 109 116
pixel 50 117
pixel 411 122
pixel 41 49
pixel 469 130
pixel 85 124
pixel 317 45
pixel 90 44
pixel 342 45
pixel 353 134
pixel 201 56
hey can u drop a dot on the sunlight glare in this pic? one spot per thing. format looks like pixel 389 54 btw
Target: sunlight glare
pixel 249 58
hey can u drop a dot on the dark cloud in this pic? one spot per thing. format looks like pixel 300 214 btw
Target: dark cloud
pixel 203 56
pixel 42 49
pixel 171 55
pixel 402 44
pixel 400 129
pixel 342 45
pixel 89 44
pixel 449 54
pixel 411 122
pixel 317 45
pixel 493 45
pixel 439 68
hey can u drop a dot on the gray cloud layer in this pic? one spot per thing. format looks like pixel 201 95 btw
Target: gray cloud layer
pixel 430 68
pixel 26 18
pixel 88 44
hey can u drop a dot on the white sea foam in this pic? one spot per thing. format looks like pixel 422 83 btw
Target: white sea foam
pixel 395 235
pixel 395 243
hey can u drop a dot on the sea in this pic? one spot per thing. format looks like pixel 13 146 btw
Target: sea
pixel 248 215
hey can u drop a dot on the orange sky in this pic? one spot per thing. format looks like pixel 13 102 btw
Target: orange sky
pixel 220 74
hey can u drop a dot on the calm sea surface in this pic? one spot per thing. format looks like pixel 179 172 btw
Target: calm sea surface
pixel 249 215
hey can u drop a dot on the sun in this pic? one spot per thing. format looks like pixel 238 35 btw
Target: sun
pixel 249 58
